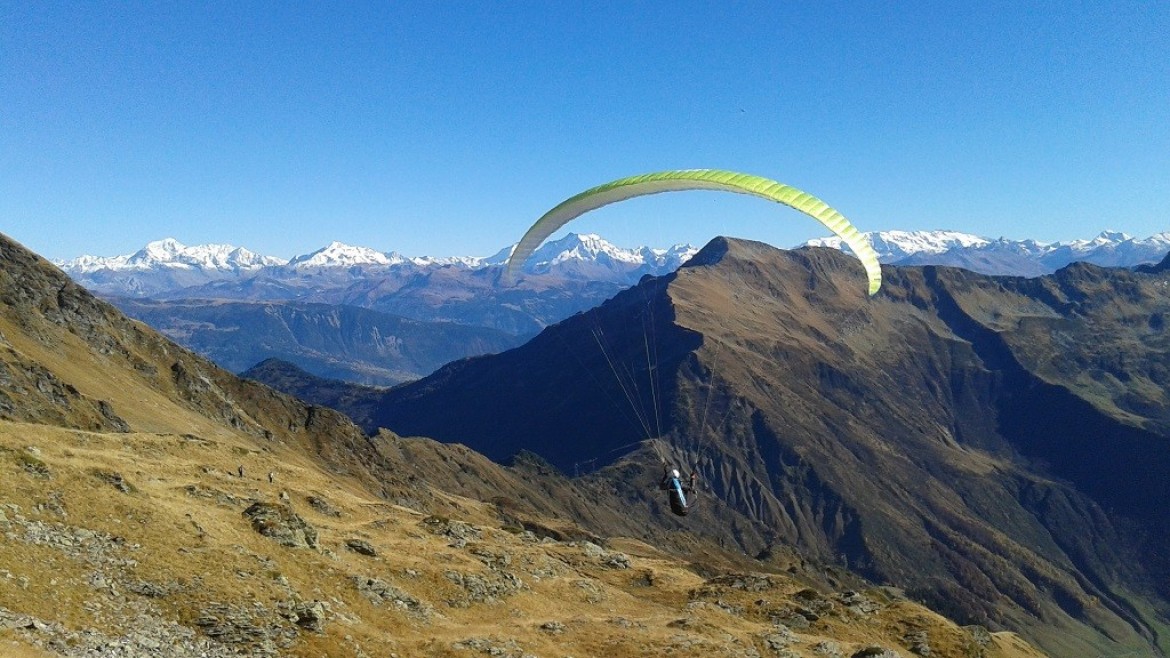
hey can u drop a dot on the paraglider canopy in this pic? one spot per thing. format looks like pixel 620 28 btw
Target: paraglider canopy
pixel 695 179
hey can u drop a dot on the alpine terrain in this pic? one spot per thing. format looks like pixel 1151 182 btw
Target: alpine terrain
pixel 995 445
pixel 154 504
pixel 379 318
pixel 354 313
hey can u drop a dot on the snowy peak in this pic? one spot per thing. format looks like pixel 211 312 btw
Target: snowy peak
pixel 167 264
pixel 1113 248
pixel 341 255
pixel 1105 240
pixel 667 259
pixel 895 245
pixel 1106 237
pixel 169 253
pixel 163 251
pixel 1005 256
pixel 589 249
pixel 338 254
pixel 933 242
pixel 464 262
pixel 580 247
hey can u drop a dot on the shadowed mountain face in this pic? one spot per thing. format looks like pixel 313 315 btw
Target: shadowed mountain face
pixel 993 444
pixel 356 401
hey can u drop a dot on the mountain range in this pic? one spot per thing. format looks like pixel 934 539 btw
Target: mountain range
pixel 995 445
pixel 166 266
pixel 361 315
pixel 1007 257
pixel 357 314
pixel 155 505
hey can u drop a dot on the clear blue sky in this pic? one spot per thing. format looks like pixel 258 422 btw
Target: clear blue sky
pixel 446 128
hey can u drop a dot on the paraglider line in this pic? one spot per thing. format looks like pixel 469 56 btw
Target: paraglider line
pixel 652 365
pixel 710 388
pixel 605 390
pixel 598 335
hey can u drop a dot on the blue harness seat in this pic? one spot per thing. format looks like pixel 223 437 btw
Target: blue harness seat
pixel 678 498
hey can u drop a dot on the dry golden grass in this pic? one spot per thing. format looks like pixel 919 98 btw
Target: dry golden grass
pixel 203 549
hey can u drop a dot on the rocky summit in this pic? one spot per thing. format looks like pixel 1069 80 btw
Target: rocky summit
pixel 153 504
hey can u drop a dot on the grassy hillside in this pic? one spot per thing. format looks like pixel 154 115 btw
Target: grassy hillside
pixel 139 540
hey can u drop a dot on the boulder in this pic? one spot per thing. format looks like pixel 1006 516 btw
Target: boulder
pixel 281 523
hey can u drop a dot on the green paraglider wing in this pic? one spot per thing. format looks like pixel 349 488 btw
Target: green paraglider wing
pixel 695 179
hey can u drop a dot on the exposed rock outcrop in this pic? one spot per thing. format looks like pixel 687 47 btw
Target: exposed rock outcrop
pixel 282 524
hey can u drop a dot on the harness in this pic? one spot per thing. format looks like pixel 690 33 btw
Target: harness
pixel 678 499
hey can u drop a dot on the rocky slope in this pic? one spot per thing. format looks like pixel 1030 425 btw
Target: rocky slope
pixel 152 504
pixel 992 444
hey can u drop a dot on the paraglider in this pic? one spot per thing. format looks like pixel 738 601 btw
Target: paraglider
pixel 682 496
pixel 682 491
pixel 695 179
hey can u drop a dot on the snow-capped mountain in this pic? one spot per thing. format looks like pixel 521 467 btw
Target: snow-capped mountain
pixel 668 259
pixel 341 255
pixel 166 267
pixel 895 245
pixel 337 254
pixel 565 276
pixel 586 247
pixel 1005 256
pixel 1112 249
pixel 172 254
pixel 592 252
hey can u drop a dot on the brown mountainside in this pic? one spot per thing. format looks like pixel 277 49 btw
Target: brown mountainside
pixel 152 504
pixel 995 445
